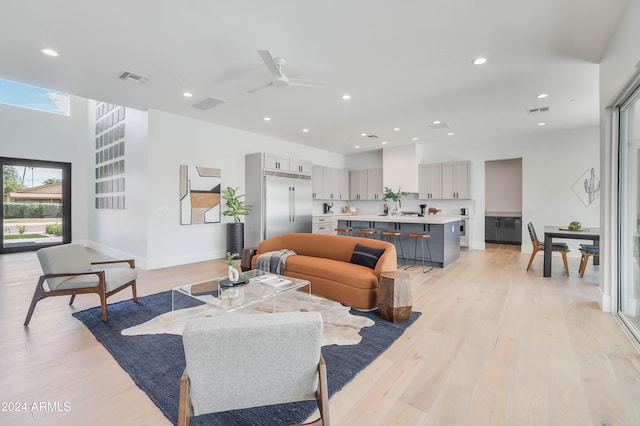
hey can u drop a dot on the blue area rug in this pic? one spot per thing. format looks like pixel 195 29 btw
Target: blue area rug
pixel 156 362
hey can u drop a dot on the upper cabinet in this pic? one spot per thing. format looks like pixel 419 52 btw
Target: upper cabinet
pixel 366 184
pixel 400 167
pixel 329 184
pixel 430 181
pixel 286 164
pixel 444 181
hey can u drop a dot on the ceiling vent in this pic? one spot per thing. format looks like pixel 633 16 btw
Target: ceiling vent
pixel 440 125
pixel 208 103
pixel 538 110
pixel 133 78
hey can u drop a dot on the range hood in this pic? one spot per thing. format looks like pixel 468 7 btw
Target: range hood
pixel 400 167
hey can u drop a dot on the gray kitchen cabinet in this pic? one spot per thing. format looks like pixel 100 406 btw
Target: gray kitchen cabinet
pixel 375 191
pixel 503 230
pixel 366 184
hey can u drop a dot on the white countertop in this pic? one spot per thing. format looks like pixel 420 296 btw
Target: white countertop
pixel 431 219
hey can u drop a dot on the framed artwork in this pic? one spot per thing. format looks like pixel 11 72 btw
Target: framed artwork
pixel 199 195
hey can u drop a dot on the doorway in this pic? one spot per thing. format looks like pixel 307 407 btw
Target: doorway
pixel 36 204
pixel 503 201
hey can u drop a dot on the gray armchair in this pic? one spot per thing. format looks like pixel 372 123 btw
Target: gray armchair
pixel 68 271
pixel 243 361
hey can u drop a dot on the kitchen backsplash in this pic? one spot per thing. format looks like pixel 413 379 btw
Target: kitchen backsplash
pixel 410 203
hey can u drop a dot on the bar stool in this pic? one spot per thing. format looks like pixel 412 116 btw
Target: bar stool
pixel 422 238
pixel 367 233
pixel 343 231
pixel 393 237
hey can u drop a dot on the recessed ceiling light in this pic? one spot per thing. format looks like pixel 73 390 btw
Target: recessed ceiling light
pixel 187 94
pixel 415 139
pixel 357 146
pixel 363 134
pixel 49 52
pixel 395 129
pixel 384 142
pixel 437 122
pixel 305 130
pixel 267 119
pixel 542 124
pixel 542 95
pixel 450 134
pixel 479 61
pixel 346 97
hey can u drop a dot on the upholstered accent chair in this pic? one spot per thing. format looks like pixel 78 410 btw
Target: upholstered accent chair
pixel 68 271
pixel 561 248
pixel 243 361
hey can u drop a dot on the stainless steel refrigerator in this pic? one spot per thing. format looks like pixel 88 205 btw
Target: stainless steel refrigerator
pixel 280 201
pixel 287 205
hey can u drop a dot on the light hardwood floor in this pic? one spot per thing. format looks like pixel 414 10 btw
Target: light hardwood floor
pixel 495 345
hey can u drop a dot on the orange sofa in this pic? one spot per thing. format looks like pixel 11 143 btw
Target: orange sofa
pixel 324 260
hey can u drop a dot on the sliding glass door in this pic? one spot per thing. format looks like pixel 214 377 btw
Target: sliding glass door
pixel 629 215
pixel 36 204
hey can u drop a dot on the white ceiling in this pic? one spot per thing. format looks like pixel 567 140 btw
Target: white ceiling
pixel 405 63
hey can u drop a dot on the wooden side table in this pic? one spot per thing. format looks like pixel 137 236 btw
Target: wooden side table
pixel 394 296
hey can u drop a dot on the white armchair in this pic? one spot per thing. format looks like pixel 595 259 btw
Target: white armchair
pixel 68 271
pixel 243 361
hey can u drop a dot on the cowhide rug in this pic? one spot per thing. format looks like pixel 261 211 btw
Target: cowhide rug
pixel 340 326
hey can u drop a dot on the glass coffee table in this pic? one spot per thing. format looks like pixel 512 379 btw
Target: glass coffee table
pixel 260 287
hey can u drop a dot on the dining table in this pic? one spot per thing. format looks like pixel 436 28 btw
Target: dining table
pixel 558 232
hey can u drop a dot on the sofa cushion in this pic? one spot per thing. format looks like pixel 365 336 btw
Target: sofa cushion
pixel 366 256
pixel 334 270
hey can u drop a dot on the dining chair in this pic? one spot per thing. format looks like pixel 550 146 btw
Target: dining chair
pixel 252 360
pixel 587 252
pixel 562 248
pixel 68 271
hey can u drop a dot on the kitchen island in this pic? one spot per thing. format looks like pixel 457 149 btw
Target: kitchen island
pixel 445 233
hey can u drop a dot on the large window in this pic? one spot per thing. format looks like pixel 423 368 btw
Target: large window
pixel 36 204
pixel 32 97
pixel 629 214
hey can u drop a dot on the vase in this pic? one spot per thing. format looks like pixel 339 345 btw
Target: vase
pixel 395 209
pixel 233 274
pixel 235 238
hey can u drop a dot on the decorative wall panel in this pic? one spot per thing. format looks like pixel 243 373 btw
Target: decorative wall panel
pixel 110 152
pixel 199 195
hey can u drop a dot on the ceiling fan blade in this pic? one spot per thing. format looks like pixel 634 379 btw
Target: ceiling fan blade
pixel 259 88
pixel 306 83
pixel 269 62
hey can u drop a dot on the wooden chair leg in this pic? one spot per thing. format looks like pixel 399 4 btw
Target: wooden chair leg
pixel 73 297
pixel 583 263
pixel 38 294
pixel 531 259
pixel 566 264
pixel 103 303
pixel 135 292
pixel 185 409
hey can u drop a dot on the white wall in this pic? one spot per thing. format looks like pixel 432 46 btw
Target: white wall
pixel 37 135
pixel 618 69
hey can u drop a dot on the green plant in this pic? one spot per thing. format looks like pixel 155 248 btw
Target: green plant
pixel 395 196
pixel 236 207
pixel 54 229
pixel 21 228
pixel 231 257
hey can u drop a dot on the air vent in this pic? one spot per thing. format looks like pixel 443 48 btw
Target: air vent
pixel 440 125
pixel 538 110
pixel 373 136
pixel 208 103
pixel 131 77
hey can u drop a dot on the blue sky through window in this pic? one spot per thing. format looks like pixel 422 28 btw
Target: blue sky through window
pixel 32 97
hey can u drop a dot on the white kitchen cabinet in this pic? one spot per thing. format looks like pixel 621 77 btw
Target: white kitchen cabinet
pixel 286 164
pixel 324 225
pixel 342 183
pixel 358 184
pixel 455 180
pixel 317 182
pixel 375 191
pixel 430 181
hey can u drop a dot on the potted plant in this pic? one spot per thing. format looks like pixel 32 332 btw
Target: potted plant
pixel 389 194
pixel 236 207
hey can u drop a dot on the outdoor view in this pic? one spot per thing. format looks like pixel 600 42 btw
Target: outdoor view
pixel 32 205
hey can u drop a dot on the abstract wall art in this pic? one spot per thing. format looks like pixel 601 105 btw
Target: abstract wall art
pixel 199 195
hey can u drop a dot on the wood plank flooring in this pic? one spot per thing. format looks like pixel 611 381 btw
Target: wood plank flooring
pixel 495 345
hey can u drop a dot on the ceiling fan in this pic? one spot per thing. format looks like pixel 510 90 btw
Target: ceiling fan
pixel 278 78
